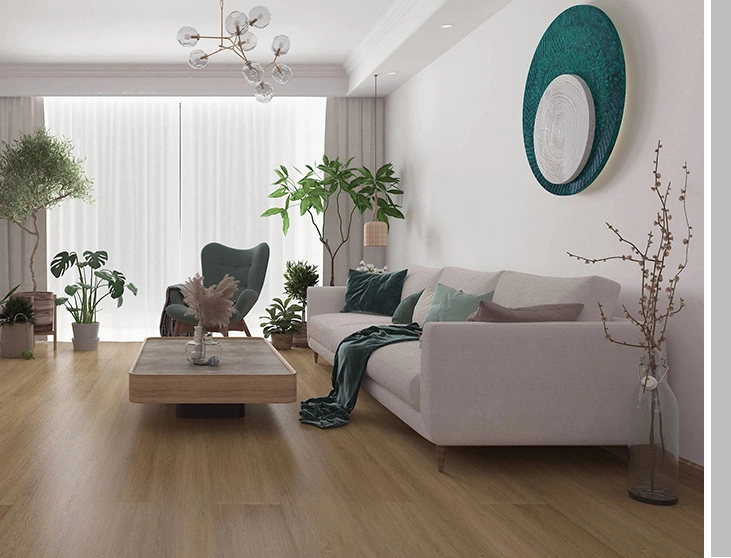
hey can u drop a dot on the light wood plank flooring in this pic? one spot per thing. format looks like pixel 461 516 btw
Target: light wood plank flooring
pixel 85 473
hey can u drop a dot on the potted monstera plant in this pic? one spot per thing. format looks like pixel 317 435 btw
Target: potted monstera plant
pixel 94 284
pixel 282 321
pixel 37 172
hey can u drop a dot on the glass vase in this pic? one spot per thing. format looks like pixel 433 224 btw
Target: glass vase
pixel 654 448
pixel 203 350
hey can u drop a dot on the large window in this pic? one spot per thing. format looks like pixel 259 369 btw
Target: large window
pixel 171 175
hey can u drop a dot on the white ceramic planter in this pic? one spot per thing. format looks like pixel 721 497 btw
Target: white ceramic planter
pixel 86 336
pixel 16 338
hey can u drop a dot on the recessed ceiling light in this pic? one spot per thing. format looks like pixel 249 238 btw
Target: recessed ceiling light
pixel 447 25
pixel 392 73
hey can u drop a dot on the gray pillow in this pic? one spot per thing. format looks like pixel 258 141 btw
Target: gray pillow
pixel 404 313
pixel 489 311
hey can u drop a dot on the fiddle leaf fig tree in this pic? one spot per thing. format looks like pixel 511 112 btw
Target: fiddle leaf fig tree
pixel 38 171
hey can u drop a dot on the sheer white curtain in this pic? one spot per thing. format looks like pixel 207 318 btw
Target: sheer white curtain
pixel 230 148
pixel 171 175
pixel 131 150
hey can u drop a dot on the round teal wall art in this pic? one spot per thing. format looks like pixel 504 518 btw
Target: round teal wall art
pixel 582 41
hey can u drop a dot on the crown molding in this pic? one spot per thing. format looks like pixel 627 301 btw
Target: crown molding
pixel 39 80
pixel 309 71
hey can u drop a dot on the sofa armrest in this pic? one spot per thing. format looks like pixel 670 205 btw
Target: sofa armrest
pixel 325 300
pixel 552 383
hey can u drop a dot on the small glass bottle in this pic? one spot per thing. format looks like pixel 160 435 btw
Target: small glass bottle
pixel 202 348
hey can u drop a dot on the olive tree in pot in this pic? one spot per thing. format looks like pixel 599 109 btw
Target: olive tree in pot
pixel 84 295
pixel 37 172
pixel 16 327
pixel 298 277
pixel 282 321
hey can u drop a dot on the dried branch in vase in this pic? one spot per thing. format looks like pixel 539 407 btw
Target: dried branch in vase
pixel 211 306
pixel 653 260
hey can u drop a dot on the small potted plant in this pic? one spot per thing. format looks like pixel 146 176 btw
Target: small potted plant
pixel 282 322
pixel 298 277
pixel 16 327
pixel 86 294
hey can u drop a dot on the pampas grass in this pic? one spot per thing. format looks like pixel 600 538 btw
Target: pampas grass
pixel 211 306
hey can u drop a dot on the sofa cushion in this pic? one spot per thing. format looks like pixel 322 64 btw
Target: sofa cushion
pixel 404 313
pixel 489 311
pixel 331 329
pixel 396 367
pixel 451 305
pixel 469 280
pixel 419 278
pixel 373 292
pixel 516 289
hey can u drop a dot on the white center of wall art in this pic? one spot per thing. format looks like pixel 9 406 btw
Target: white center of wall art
pixel 564 129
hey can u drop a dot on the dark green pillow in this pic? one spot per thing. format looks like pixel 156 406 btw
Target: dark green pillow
pixel 451 305
pixel 373 293
pixel 404 313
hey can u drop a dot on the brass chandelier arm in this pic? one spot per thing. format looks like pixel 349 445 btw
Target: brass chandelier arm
pixel 272 63
pixel 241 53
pixel 220 3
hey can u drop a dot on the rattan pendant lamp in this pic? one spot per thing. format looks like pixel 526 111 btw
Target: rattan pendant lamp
pixel 375 232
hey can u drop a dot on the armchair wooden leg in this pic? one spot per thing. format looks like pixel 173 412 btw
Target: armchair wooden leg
pixel 246 328
pixel 440 458
pixel 55 324
pixel 176 329
pixel 224 331
pixel 316 357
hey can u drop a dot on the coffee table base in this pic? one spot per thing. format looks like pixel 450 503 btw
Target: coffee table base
pixel 209 410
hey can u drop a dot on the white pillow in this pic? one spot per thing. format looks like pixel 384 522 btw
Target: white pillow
pixel 423 304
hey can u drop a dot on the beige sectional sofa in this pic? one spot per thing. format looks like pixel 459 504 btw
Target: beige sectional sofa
pixel 495 384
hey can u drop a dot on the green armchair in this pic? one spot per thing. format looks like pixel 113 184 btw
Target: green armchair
pixel 248 266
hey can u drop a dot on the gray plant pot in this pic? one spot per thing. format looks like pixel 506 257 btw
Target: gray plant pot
pixel 14 339
pixel 86 336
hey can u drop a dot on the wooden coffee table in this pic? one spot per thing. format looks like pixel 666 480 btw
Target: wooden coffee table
pixel 250 371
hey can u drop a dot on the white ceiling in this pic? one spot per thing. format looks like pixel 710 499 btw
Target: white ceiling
pixel 353 37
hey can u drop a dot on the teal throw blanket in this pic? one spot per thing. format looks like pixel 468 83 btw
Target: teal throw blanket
pixel 349 367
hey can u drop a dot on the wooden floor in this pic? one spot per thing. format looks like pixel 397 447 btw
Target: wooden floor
pixel 85 473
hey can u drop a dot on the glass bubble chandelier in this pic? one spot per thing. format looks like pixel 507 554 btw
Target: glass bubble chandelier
pixel 236 36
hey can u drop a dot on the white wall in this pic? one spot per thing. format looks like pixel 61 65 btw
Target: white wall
pixel 454 134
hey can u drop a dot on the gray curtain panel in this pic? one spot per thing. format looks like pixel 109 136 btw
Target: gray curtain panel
pixel 350 131
pixel 20 114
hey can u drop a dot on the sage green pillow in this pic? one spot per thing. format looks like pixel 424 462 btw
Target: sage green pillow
pixel 451 305
pixel 373 293
pixel 404 313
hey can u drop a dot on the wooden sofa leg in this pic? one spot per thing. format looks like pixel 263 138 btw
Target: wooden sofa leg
pixel 440 458
pixel 316 356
